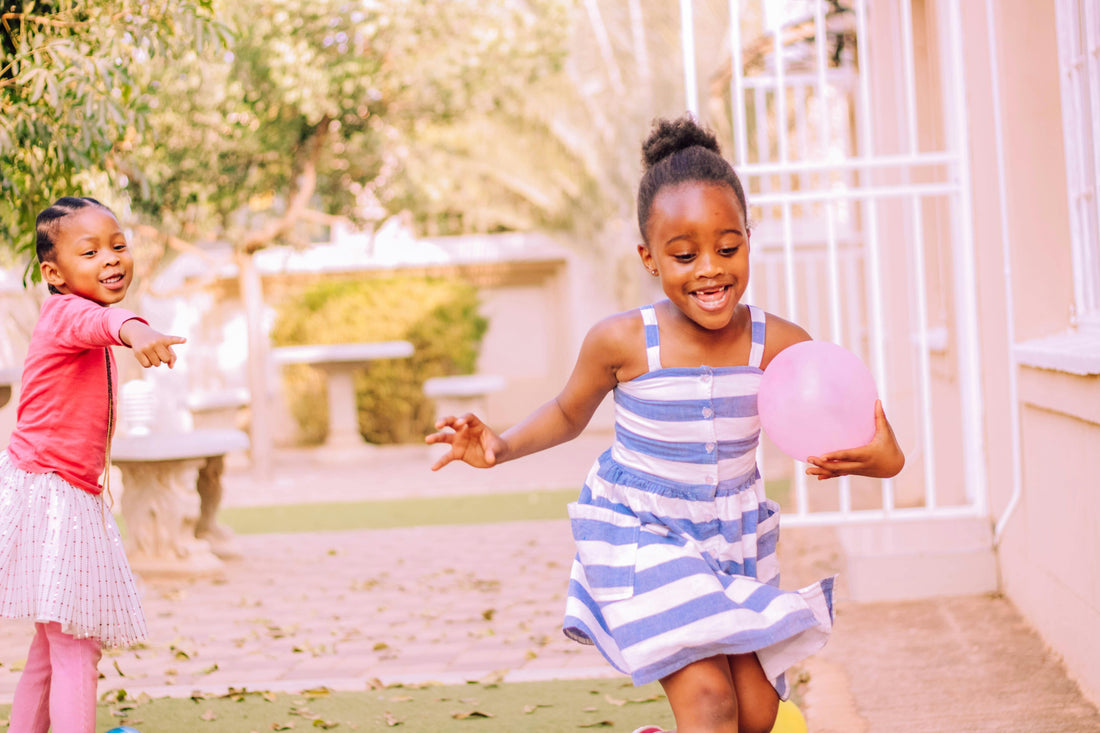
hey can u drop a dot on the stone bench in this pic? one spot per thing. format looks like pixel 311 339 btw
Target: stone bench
pixel 172 490
pixel 217 408
pixel 9 377
pixel 463 393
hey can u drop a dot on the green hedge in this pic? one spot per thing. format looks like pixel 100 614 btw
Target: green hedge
pixel 438 316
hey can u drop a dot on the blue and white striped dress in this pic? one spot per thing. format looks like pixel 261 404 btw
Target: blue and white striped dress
pixel 675 537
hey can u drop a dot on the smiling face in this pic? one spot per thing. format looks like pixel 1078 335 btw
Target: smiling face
pixel 697 242
pixel 90 257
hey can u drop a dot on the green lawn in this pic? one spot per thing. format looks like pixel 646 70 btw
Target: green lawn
pixel 399 512
pixel 531 707
pixel 475 509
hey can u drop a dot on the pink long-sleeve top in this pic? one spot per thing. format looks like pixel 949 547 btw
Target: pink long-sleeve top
pixel 61 424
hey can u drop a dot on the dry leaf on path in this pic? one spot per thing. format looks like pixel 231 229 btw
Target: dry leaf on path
pixel 471 714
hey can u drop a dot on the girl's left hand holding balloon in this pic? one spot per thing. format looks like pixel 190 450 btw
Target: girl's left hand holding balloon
pixel 881 458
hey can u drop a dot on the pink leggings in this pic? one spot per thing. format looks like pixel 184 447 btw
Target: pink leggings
pixel 58 685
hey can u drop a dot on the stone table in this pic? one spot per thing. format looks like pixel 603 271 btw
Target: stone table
pixel 9 376
pixel 339 362
pixel 172 492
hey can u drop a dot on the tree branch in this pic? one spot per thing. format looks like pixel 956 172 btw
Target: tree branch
pixel 305 186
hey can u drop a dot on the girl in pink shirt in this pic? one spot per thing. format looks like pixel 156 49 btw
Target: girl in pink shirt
pixel 61 559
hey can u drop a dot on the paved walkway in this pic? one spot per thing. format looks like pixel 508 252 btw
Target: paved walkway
pixel 467 602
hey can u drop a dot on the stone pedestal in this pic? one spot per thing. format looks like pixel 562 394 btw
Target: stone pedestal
pixel 172 493
pixel 339 362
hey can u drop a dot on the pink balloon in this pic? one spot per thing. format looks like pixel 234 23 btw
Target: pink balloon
pixel 816 397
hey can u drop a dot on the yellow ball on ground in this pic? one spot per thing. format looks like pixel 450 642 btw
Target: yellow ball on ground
pixel 789 719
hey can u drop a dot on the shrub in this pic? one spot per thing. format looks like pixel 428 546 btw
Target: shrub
pixel 438 316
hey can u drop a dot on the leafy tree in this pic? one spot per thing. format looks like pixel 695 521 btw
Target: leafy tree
pixel 318 105
pixel 75 92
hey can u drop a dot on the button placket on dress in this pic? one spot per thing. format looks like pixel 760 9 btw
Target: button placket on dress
pixel 711 446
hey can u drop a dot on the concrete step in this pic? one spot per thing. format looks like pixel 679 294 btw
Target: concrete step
pixel 919 558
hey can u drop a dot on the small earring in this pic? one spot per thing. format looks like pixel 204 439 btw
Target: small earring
pixel 653 273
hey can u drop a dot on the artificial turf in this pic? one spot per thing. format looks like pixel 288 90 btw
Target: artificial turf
pixel 535 707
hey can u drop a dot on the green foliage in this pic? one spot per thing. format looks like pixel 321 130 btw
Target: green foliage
pixel 323 101
pixel 75 92
pixel 439 317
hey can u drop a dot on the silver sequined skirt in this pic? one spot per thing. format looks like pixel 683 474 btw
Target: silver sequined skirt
pixel 61 559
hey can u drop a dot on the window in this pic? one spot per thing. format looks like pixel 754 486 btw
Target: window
pixel 1079 63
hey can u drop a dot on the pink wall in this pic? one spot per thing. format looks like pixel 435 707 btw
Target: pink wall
pixel 1048 554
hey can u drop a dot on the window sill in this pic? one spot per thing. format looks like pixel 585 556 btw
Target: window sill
pixel 1073 352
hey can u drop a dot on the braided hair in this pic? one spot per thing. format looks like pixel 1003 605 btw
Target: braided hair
pixel 678 151
pixel 48 224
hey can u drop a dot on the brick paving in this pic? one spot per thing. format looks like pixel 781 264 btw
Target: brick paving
pixel 458 603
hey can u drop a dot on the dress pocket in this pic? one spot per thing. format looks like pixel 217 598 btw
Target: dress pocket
pixel 607 545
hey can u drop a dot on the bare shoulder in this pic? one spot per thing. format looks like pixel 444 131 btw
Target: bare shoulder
pixel 616 341
pixel 779 334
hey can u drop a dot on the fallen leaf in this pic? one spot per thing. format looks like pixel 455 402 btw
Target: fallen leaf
pixel 528 709
pixel 113 695
pixel 118 669
pixel 493 678
pixel 211 668
pixel 317 692
pixel 471 714
pixel 391 719
pixel 598 724
pixel 282 726
pixel 325 724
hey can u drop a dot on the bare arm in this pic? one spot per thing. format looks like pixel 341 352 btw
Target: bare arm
pixel 557 421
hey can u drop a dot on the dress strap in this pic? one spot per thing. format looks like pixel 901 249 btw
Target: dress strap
pixel 756 354
pixel 652 338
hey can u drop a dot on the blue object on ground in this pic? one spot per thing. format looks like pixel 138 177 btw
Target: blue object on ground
pixel 124 729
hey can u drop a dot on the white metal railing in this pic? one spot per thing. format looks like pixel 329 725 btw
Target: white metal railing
pixel 817 188
pixel 1079 62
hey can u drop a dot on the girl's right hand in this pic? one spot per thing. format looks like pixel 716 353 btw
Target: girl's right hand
pixel 151 347
pixel 470 439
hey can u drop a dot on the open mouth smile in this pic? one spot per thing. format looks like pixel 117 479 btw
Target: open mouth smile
pixel 712 299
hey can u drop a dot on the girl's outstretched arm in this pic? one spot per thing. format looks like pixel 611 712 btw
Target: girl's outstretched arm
pixel 561 419
pixel 881 458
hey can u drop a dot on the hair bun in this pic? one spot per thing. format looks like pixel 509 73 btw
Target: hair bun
pixel 672 136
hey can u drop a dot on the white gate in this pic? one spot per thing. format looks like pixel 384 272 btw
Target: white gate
pixel 851 146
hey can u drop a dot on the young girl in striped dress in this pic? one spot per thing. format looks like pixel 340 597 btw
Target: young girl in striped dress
pixel 61 560
pixel 676 577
